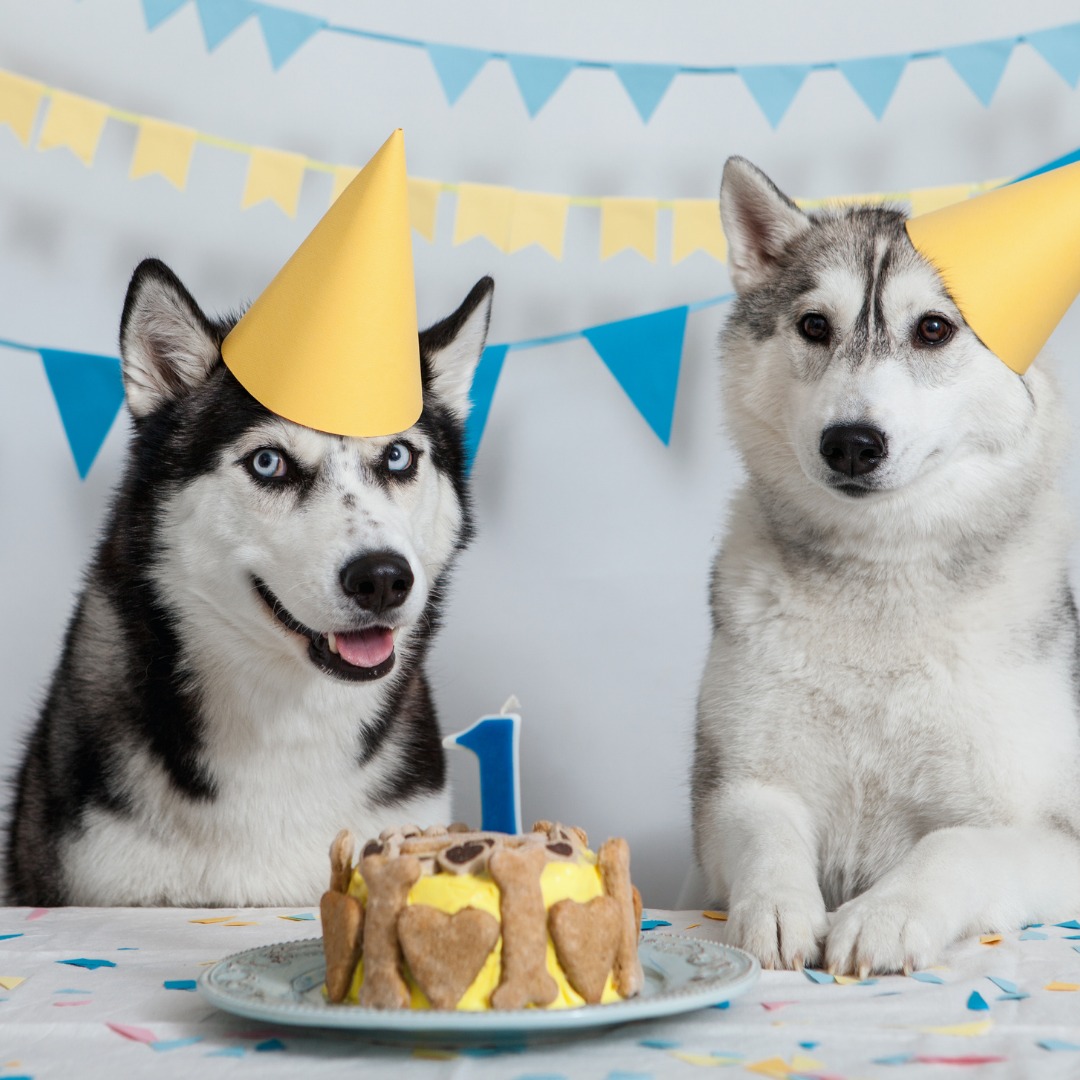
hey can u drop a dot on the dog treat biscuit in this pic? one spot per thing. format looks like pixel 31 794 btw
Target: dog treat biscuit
pixel 447 918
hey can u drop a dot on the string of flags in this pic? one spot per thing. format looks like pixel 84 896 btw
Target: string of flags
pixel 509 218
pixel 643 353
pixel 980 65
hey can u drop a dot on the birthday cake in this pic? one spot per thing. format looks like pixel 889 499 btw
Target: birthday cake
pixel 446 918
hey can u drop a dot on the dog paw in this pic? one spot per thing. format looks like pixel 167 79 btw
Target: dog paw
pixel 882 934
pixel 782 928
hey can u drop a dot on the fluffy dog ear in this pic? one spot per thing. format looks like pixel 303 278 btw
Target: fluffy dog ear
pixel 451 349
pixel 167 345
pixel 759 222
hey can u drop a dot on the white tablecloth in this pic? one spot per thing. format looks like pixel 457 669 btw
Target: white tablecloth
pixel 136 1014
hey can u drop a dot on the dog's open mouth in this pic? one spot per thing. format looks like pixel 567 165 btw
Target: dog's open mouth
pixel 349 654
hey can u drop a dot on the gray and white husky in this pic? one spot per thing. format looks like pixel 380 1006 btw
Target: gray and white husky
pixel 888 718
pixel 243 674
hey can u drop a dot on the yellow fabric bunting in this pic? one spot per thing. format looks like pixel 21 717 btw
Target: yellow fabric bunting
pixel 695 226
pixel 19 102
pixel 276 176
pixel 423 206
pixel 484 210
pixel 926 200
pixel 539 219
pixel 75 122
pixel 344 175
pixel 628 223
pixel 165 149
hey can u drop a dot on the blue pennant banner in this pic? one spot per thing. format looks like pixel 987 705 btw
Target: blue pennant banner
pixel 981 65
pixel 88 392
pixel 774 86
pixel 538 77
pixel 1057 163
pixel 874 79
pixel 157 11
pixel 1060 48
pixel 220 18
pixel 644 354
pixel 456 67
pixel 285 31
pixel 646 84
pixel 480 394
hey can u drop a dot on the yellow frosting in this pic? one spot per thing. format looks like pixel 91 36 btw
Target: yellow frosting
pixel 579 881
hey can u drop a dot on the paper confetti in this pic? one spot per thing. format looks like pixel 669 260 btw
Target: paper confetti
pixel 9 982
pixel 965 1031
pixel 852 980
pixel 1033 935
pixel 270 1045
pixel 1004 984
pixel 927 977
pixel 179 984
pixel 693 926
pixel 707 1060
pixel 175 1044
pixel 130 1031
pixel 772 1006
pixel 719 916
pixel 818 976
pixel 214 919
pixel 1072 924
pixel 7 937
pixel 1055 985
pixel 1057 1044
pixel 37 913
pixel 89 964
pixel 976 1002
pixel 989 939
pixel 659 1044
pixel 775 1067
pixel 652 924
pixel 303 917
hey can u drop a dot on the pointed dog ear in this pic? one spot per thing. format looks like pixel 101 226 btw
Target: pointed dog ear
pixel 759 222
pixel 167 345
pixel 451 349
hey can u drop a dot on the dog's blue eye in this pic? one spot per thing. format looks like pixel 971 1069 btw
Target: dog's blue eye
pixel 268 464
pixel 399 457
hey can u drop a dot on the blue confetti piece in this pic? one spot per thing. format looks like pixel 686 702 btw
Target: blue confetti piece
pixel 927 977
pixel 179 984
pixel 269 1045
pixel 976 1002
pixel 818 976
pixel 652 924
pixel 1057 1044
pixel 1076 948
pixel 229 1051
pixel 128 948
pixel 887 993
pixel 660 1044
pixel 1033 935
pixel 1004 984
pixel 1030 925
pixel 722 1005
pixel 1070 937
pixel 809 1045
pixel 6 937
pixel 90 965
pixel 895 1059
pixel 164 1045
pixel 69 992
pixel 1018 996
pixel 1071 924
pixel 304 916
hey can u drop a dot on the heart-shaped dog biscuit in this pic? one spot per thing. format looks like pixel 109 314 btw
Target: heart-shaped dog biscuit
pixel 446 952
pixel 586 938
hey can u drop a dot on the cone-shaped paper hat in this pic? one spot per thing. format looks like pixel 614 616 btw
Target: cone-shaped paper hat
pixel 1010 260
pixel 331 342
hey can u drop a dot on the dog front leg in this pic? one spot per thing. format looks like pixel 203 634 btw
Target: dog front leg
pixel 955 882
pixel 759 850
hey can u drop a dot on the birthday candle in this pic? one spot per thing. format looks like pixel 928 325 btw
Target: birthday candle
pixel 495 742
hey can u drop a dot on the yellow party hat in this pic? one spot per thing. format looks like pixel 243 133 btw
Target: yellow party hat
pixel 331 342
pixel 1010 259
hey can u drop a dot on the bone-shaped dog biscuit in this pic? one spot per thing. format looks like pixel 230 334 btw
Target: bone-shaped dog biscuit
pixel 388 882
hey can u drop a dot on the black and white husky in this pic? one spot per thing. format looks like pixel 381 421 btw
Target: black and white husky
pixel 243 673
pixel 888 720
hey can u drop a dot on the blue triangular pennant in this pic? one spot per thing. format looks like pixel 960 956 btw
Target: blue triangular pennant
pixel 1057 163
pixel 644 354
pixel 285 31
pixel 480 394
pixel 774 86
pixel 456 67
pixel 874 79
pixel 538 77
pixel 220 18
pixel 1060 48
pixel 981 65
pixel 157 11
pixel 646 84
pixel 88 392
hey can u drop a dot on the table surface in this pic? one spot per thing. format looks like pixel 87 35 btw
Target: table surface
pixel 122 980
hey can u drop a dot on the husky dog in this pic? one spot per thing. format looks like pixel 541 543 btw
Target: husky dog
pixel 888 718
pixel 243 674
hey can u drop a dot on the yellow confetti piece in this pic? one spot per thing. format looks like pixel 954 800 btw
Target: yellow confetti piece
pixel 967 1031
pixel 240 924
pixel 846 980
pixel 801 1063
pixel 719 916
pixel 9 982
pixel 216 919
pixel 692 926
pixel 1061 986
pixel 705 1060
pixel 989 939
pixel 775 1067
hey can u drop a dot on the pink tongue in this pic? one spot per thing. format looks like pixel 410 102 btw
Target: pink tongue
pixel 366 648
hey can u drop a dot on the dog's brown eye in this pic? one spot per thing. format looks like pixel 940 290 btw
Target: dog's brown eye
pixel 934 330
pixel 814 327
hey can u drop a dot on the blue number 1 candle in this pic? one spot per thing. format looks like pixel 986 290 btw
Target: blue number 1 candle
pixel 495 742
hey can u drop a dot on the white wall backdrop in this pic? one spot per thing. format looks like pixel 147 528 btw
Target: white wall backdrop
pixel 585 593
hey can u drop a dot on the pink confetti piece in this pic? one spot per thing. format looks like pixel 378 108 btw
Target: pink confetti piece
pixel 967 1059
pixel 70 1004
pixel 772 1006
pixel 129 1031
pixel 37 913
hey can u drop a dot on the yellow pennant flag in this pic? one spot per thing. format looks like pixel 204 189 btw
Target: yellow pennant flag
pixel 484 210
pixel 695 226
pixel 75 122
pixel 344 175
pixel 423 205
pixel 19 101
pixel 165 149
pixel 539 219
pixel 276 176
pixel 926 200
pixel 628 223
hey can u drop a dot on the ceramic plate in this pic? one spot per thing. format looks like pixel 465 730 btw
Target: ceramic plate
pixel 282 984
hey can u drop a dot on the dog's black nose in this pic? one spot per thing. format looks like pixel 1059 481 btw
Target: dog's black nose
pixel 378 581
pixel 853 449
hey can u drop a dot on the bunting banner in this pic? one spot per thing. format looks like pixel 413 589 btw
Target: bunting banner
pixel 979 65
pixel 509 219
pixel 643 353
